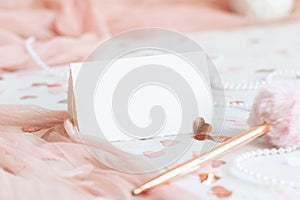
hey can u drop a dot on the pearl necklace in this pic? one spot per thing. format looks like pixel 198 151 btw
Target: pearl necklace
pixel 231 86
pixel 264 153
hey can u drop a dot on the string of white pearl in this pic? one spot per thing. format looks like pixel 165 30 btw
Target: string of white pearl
pixel 265 179
pixel 216 83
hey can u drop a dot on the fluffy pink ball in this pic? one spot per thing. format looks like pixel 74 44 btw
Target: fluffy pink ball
pixel 279 105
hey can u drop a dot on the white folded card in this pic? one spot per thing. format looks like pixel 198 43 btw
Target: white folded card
pixel 140 97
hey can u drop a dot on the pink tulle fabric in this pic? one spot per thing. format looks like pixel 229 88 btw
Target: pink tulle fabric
pixel 279 105
pixel 67 31
pixel 42 157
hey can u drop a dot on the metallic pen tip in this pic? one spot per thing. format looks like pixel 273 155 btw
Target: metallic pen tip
pixel 136 191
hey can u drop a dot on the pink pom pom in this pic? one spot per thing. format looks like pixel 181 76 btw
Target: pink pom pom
pixel 279 105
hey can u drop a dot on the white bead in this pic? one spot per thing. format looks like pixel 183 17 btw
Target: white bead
pixel 274 180
pixel 258 175
pixel 288 149
pixel 265 178
pixel 266 152
pixel 259 152
pixel 273 151
pixel 281 150
pixel 282 182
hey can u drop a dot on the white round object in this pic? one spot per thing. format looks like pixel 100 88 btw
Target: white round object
pixel 263 9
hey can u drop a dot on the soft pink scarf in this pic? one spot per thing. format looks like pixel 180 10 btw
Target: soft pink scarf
pixel 51 163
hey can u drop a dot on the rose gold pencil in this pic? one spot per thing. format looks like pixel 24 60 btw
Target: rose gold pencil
pixel 201 160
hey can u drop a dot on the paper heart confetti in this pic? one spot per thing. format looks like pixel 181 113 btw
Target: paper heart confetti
pixel 220 192
pixel 208 178
pixel 200 126
pixel 28 97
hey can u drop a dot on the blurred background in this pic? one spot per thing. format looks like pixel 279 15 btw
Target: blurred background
pixel 61 32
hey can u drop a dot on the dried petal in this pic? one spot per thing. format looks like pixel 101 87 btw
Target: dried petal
pixel 220 192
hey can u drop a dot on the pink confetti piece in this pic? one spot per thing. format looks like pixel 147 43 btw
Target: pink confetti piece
pixel 53 85
pixel 172 166
pixel 196 153
pixel 220 138
pixel 208 178
pixel 169 142
pixel 217 163
pixel 200 137
pixel 63 101
pixel 200 126
pixel 153 154
pixel 31 129
pixel 38 84
pixel 28 97
pixel 236 102
pixel 56 90
pixel 220 192
pixel 264 70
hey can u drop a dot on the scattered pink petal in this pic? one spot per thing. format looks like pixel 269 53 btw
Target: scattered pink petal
pixel 1 78
pixel 220 192
pixel 169 142
pixel 208 178
pixel 31 129
pixel 28 97
pixel 217 163
pixel 153 154
pixel 63 101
